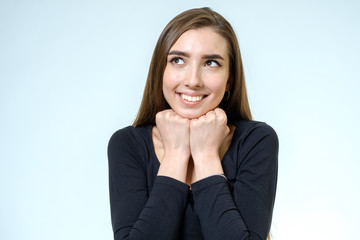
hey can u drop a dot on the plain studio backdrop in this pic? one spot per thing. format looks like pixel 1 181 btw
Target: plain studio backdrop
pixel 73 72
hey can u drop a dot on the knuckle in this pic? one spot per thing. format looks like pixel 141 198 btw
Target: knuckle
pixel 168 114
pixel 158 116
pixel 193 122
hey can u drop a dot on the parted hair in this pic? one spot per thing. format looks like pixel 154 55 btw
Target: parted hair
pixel 236 106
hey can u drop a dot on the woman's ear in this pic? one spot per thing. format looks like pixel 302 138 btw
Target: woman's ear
pixel 227 86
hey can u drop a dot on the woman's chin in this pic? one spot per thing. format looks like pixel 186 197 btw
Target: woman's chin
pixel 190 114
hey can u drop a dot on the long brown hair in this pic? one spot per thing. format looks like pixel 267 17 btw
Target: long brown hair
pixel 153 101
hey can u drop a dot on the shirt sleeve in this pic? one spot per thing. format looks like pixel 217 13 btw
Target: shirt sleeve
pixel 246 211
pixel 136 213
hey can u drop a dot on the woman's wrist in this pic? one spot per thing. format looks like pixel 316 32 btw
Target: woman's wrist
pixel 174 166
pixel 178 156
pixel 206 155
pixel 207 167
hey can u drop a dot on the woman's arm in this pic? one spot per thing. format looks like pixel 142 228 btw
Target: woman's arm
pixel 136 213
pixel 174 136
pixel 207 133
pixel 246 213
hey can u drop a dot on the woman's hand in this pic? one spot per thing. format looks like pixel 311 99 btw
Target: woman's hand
pixel 175 136
pixel 207 133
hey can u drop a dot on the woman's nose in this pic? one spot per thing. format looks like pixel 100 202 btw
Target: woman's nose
pixel 193 78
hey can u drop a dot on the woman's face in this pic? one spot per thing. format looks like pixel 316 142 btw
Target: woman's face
pixel 196 74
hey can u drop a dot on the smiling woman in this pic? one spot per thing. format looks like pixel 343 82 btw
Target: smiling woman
pixel 196 75
pixel 194 165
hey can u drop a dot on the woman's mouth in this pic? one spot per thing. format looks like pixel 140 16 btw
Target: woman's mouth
pixel 191 98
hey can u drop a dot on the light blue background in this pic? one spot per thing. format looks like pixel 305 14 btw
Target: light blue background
pixel 73 72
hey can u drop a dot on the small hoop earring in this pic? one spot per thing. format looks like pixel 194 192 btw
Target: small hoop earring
pixel 227 97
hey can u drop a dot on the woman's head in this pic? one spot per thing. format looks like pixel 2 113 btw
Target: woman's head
pixel 236 105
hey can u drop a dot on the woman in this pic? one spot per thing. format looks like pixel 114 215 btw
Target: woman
pixel 194 165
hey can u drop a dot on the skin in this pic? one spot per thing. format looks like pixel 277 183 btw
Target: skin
pixel 191 138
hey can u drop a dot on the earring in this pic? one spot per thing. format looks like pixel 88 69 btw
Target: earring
pixel 227 93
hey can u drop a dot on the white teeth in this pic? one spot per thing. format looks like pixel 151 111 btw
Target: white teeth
pixel 190 98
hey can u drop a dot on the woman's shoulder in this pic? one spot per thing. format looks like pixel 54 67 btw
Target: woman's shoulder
pixel 255 142
pixel 130 136
pixel 254 130
pixel 131 131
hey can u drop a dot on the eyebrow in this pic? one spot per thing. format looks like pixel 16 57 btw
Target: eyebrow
pixel 211 56
pixel 180 53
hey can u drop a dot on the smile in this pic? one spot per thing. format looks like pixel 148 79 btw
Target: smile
pixel 191 98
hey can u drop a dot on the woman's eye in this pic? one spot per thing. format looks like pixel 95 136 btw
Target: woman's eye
pixel 212 63
pixel 177 60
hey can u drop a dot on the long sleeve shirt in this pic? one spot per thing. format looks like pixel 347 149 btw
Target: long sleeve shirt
pixel 147 206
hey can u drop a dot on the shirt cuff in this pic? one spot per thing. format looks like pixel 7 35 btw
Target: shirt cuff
pixel 207 182
pixel 172 183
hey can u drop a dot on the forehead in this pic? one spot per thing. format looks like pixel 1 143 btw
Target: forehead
pixel 201 41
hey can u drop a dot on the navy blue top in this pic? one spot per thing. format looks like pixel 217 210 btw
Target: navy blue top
pixel 147 206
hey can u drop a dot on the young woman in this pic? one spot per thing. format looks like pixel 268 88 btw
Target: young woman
pixel 194 165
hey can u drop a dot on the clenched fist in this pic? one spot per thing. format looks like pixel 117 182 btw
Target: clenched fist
pixel 207 133
pixel 174 132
